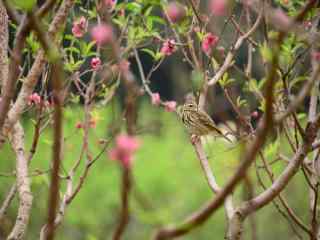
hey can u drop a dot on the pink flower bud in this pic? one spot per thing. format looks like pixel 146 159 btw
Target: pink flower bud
pixel 218 7
pixel 209 42
pixel 170 106
pixel 95 63
pixel 155 99
pixel 175 12
pixel 78 125
pixel 254 114
pixel 168 47
pixel 102 34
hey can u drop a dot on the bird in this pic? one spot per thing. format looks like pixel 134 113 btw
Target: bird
pixel 197 121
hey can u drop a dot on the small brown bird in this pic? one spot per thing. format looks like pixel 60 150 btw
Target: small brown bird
pixel 198 121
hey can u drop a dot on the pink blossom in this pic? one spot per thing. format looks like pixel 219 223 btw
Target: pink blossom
pixel 124 150
pixel 127 143
pixel 209 42
pixel 110 4
pixel 170 106
pixel 79 27
pixel 102 34
pixel 95 63
pixel 316 55
pixel 175 12
pixel 218 7
pixel 168 47
pixel 78 125
pixel 34 99
pixel 155 99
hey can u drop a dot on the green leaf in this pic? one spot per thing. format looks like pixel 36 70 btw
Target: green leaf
pixel 158 56
pixel 91 237
pixel 33 44
pixel 134 7
pixel 241 102
pixel 225 80
pixel 302 116
pixel 73 66
pixel 157 19
pixel 150 52
pixel 74 98
pixel 197 79
pixel 86 48
pixel 297 80
pixel 148 11
pixel 262 106
pixel 72 50
pixel 272 149
pixel 266 52
pixel 25 5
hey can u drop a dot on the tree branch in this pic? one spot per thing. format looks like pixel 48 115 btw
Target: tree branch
pixel 23 184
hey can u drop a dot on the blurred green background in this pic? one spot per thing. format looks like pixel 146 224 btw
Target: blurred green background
pixel 168 181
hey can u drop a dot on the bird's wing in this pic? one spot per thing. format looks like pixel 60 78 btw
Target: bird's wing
pixel 207 121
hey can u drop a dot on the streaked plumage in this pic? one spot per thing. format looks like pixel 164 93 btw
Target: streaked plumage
pixel 198 121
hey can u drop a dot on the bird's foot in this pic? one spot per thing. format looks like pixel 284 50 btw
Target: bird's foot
pixel 195 139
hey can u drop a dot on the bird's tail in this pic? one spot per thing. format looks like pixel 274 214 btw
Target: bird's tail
pixel 225 137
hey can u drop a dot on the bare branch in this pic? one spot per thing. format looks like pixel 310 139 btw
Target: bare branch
pixel 8 89
pixel 6 203
pixel 23 184
pixel 53 55
pixel 4 38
